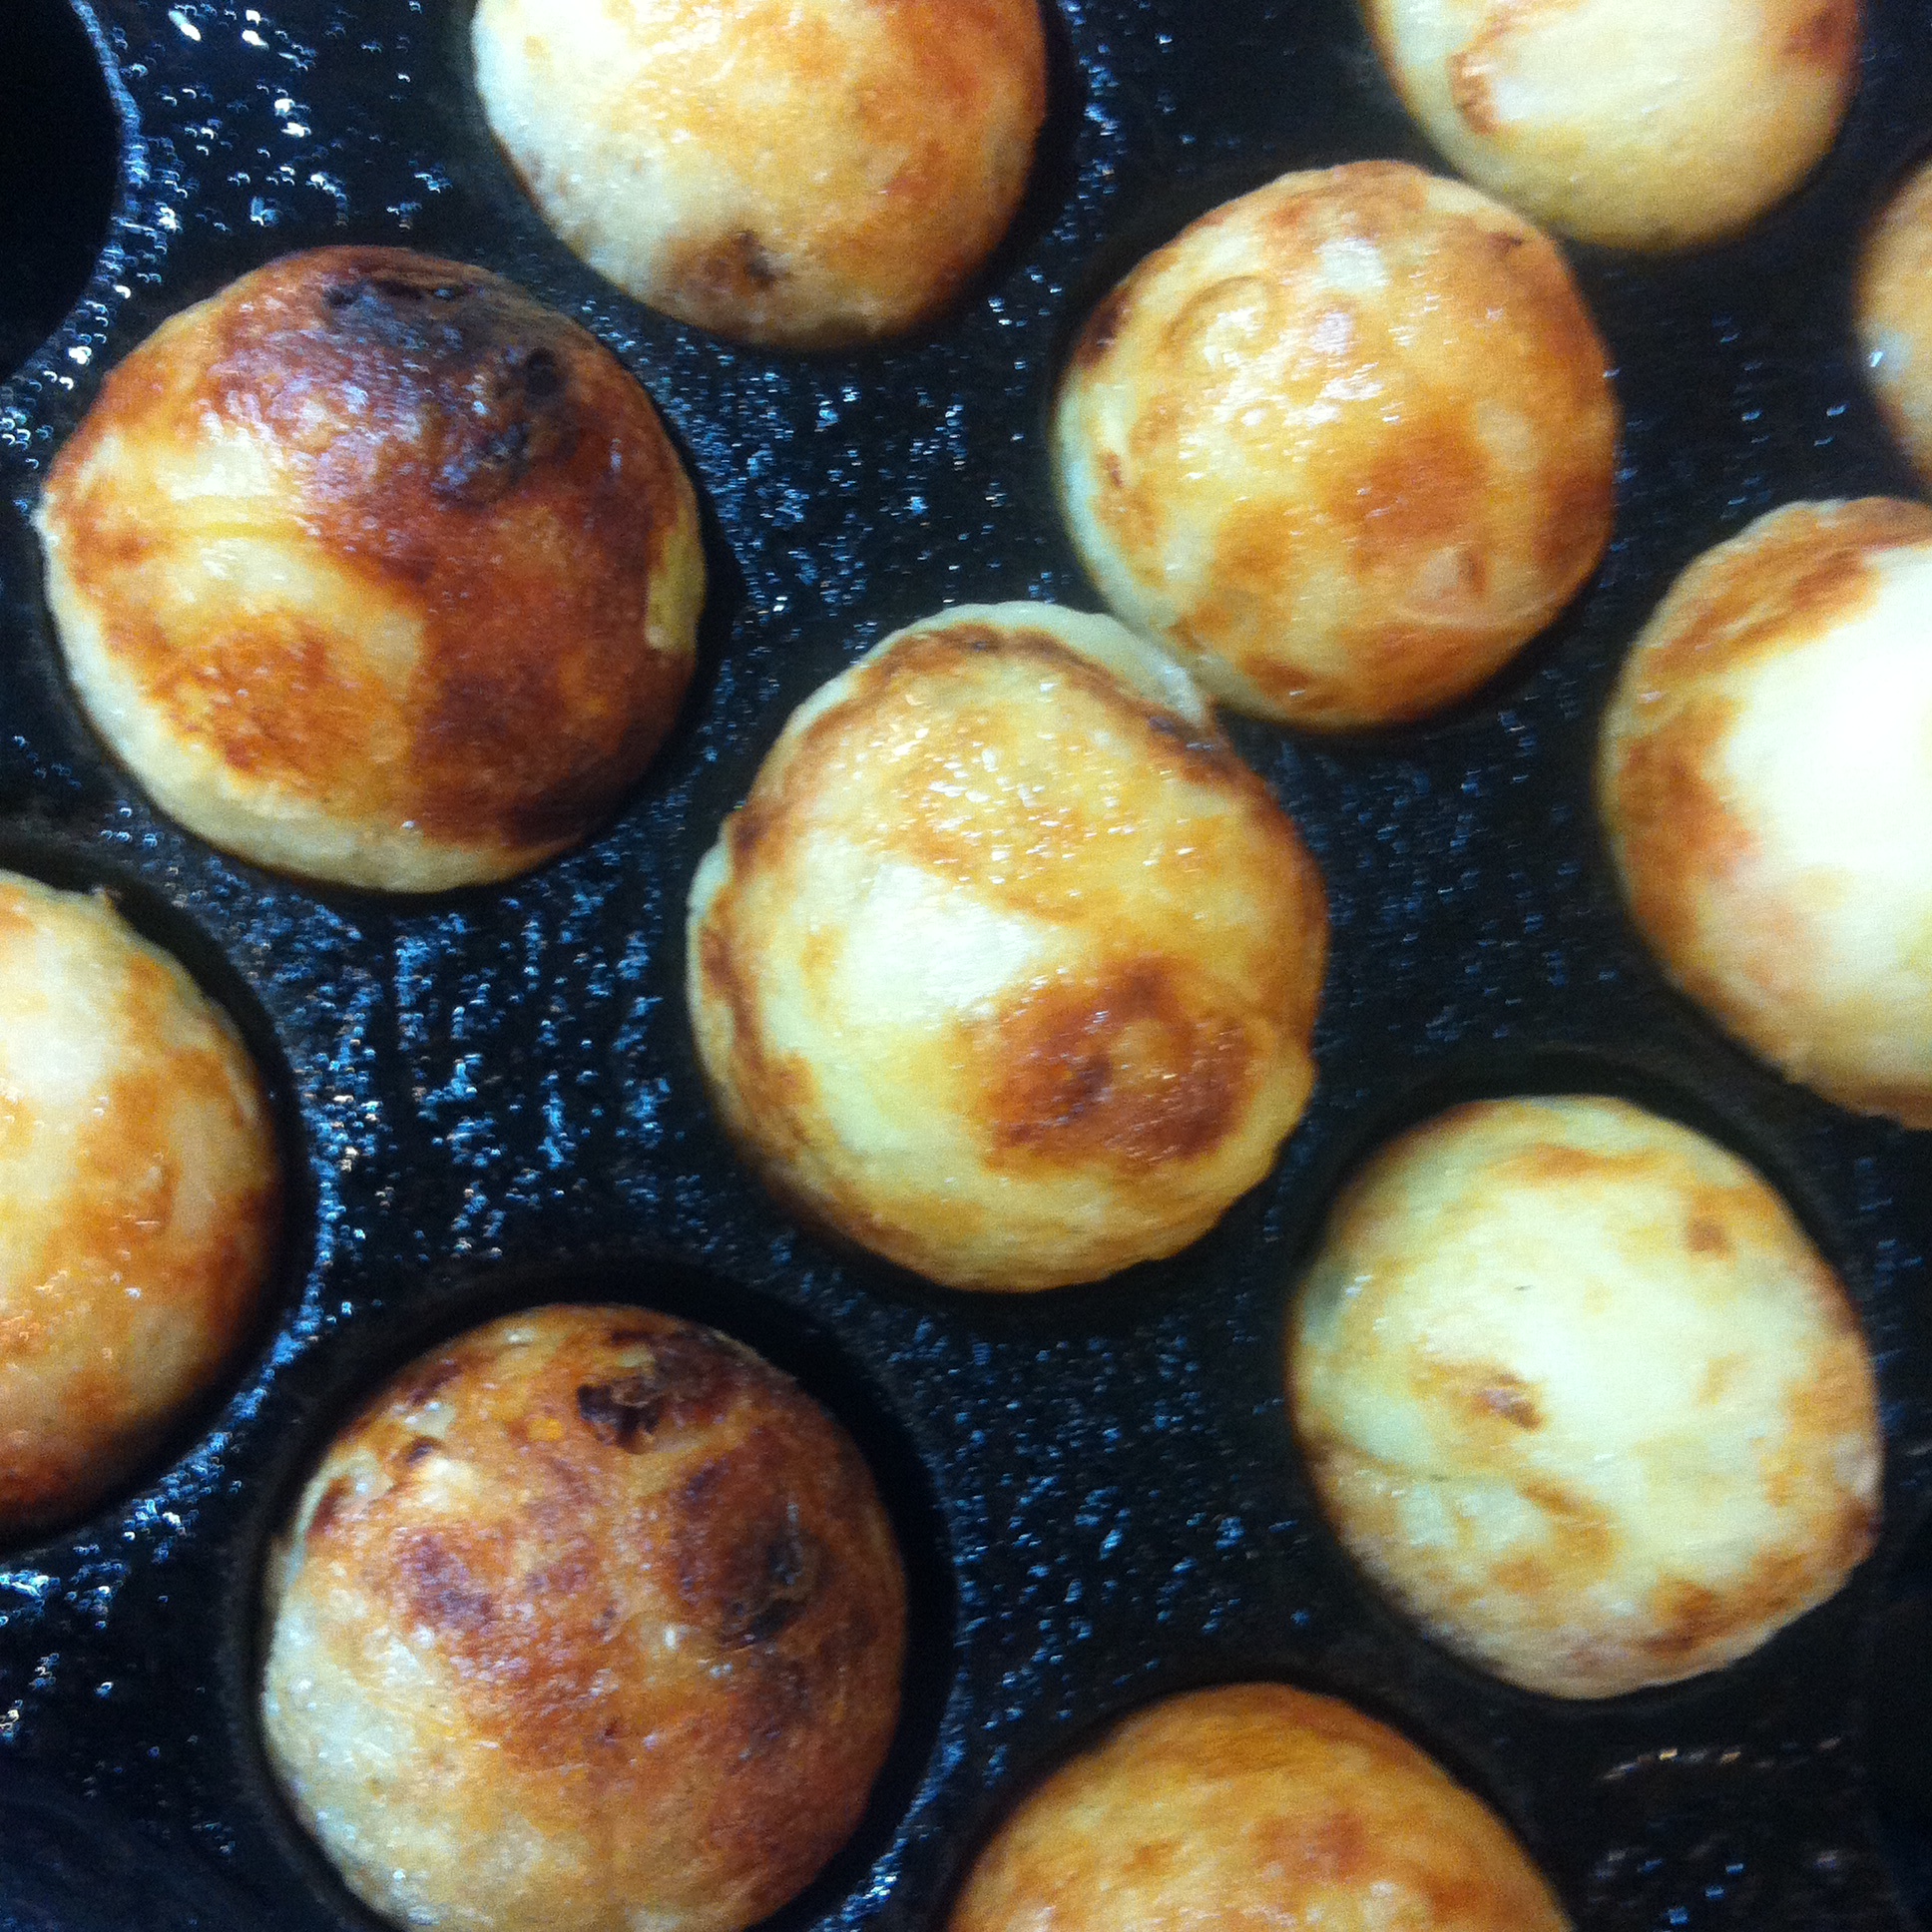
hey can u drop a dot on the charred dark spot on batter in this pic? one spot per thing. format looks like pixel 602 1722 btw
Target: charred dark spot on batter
pixel 428 1383
pixel 781 1570
pixel 735 268
pixel 1512 1401
pixel 491 390
pixel 328 1509
pixel 619 1412
pixel 1102 330
pixel 514 416
pixel 420 1451
pixel 391 289
pixel 690 1378
pixel 756 264
pixel 440 1585
pixel 749 1561
pixel 418 314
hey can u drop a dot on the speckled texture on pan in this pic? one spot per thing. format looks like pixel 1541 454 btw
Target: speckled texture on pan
pixel 492 1098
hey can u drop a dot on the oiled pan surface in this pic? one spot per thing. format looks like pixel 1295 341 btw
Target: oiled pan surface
pixel 491 1098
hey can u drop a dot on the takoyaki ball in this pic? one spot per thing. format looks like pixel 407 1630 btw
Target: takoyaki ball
pixel 1766 782
pixel 140 1201
pixel 372 570
pixel 1894 317
pixel 806 174
pixel 1344 445
pixel 1636 124
pixel 1007 968
pixel 1578 1391
pixel 1254 1805
pixel 591 1620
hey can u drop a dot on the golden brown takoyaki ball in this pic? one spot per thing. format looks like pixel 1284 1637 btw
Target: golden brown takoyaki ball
pixel 1253 1806
pixel 1766 782
pixel 372 569
pixel 591 1620
pixel 1577 1390
pixel 1007 968
pixel 800 173
pixel 1344 445
pixel 140 1199
pixel 1894 316
pixel 1637 124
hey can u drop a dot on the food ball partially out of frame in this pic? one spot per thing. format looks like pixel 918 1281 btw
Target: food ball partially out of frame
pixel 1637 123
pixel 140 1201
pixel 591 1620
pixel 1893 304
pixel 375 571
pixel 1007 969
pixel 1254 1805
pixel 1766 782
pixel 807 173
pixel 1578 1391
pixel 1343 446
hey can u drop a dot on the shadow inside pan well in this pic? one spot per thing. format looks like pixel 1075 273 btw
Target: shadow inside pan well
pixel 59 154
pixel 1900 1719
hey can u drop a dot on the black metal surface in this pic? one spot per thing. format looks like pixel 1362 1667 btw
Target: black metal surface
pixel 493 1097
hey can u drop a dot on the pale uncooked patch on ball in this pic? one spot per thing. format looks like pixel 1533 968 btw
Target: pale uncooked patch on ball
pixel 1253 1806
pixel 1894 316
pixel 1343 446
pixel 1636 124
pixel 591 1621
pixel 139 1198
pixel 1765 779
pixel 1007 968
pixel 374 571
pixel 805 175
pixel 1579 1392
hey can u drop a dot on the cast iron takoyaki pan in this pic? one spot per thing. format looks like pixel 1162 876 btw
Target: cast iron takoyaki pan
pixel 491 1098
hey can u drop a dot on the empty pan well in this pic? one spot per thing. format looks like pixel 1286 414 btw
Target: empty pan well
pixel 58 142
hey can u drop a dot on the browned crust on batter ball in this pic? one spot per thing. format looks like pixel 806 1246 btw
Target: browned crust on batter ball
pixel 1253 1806
pixel 1302 487
pixel 1798 574
pixel 481 463
pixel 1628 126
pixel 810 177
pixel 1143 1069
pixel 910 247
pixel 1677 1269
pixel 622 1471
pixel 1892 312
pixel 93 1377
